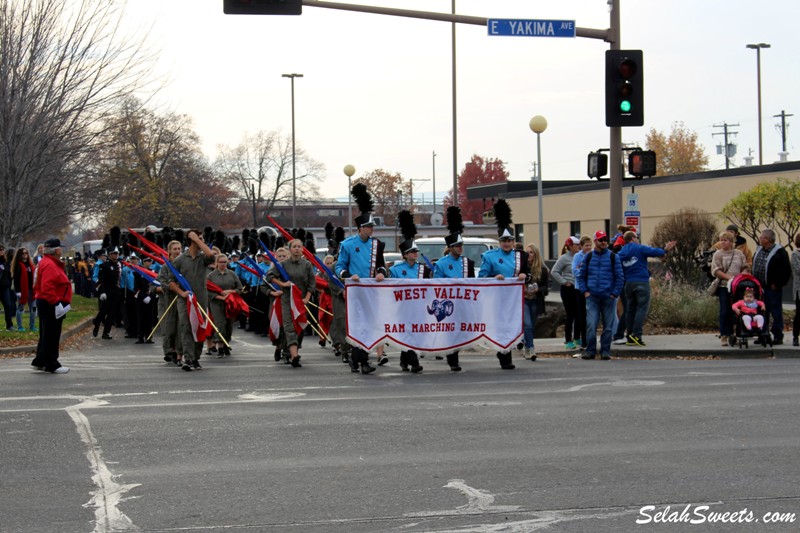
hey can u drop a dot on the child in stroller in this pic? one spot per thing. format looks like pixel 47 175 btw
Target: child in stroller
pixel 746 295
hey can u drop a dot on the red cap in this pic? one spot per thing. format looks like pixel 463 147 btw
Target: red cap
pixel 600 235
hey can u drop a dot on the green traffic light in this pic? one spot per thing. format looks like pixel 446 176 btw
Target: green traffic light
pixel 625 106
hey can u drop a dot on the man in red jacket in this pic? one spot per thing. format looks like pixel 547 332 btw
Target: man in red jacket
pixel 53 293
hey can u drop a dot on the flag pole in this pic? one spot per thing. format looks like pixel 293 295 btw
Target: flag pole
pixel 163 315
pixel 221 336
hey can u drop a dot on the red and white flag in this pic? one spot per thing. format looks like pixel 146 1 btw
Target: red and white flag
pixel 299 316
pixel 275 320
pixel 201 326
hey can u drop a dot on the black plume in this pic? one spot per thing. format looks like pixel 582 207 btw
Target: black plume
pixel 245 235
pixel 339 234
pixel 502 214
pixel 363 198
pixel 301 234
pixel 328 231
pixel 179 236
pixel 264 237
pixel 310 243
pixel 407 227
pixel 207 234
pixel 455 223
pixel 116 233
pixel 219 240
pixel 252 246
pixel 106 242
pixel 236 242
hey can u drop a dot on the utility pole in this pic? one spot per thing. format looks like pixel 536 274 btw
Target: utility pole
pixel 783 125
pixel 725 133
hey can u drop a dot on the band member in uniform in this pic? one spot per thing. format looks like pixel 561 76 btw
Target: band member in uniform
pixel 409 269
pixel 229 283
pixel 144 303
pixel 504 262
pixel 339 324
pixel 361 256
pixel 301 274
pixel 192 265
pixel 110 289
pixel 454 264
pixel 171 343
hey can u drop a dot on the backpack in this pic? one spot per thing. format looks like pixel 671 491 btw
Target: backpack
pixel 613 259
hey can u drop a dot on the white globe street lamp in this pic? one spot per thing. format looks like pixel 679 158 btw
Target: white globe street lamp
pixel 538 124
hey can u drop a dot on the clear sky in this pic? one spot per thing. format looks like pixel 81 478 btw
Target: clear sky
pixel 376 91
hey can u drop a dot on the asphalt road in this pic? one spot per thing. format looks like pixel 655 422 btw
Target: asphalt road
pixel 125 441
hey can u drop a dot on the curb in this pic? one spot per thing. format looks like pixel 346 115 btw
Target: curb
pixel 65 335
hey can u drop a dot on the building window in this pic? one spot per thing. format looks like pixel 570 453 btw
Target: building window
pixel 552 231
pixel 575 228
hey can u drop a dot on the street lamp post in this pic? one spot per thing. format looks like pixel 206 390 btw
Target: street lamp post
pixel 349 170
pixel 538 124
pixel 294 182
pixel 757 48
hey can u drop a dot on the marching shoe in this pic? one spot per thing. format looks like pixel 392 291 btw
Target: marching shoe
pixel 139 341
pixel 383 360
pixel 416 369
pixel 404 367
pixel 587 356
pixel 605 357
pixel 296 362
pixel 366 368
pixel 186 366
pixel 106 336
pixel 509 366
pixel 196 365
pixel 60 370
pixel 795 341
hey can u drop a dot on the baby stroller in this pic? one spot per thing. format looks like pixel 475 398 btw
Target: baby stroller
pixel 738 286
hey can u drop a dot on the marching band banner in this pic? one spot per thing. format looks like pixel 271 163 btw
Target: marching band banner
pixel 435 316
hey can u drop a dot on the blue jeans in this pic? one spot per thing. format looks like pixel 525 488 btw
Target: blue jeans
pixel 637 296
pixel 597 308
pixel 725 312
pixel 21 310
pixel 530 311
pixel 774 305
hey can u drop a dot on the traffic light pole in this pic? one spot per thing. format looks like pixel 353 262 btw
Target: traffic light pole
pixel 615 134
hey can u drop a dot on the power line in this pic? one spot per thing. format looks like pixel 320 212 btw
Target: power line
pixel 725 133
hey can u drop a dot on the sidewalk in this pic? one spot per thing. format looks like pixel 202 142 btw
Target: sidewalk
pixel 669 346
pixel 658 346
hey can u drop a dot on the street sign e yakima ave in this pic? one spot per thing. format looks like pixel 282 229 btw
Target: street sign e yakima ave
pixel 531 28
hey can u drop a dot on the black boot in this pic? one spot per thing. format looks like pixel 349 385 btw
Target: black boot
pixel 366 368
pixel 505 361
pixel 413 360
pixel 404 361
pixel 452 361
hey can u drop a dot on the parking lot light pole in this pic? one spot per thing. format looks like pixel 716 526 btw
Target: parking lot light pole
pixel 538 124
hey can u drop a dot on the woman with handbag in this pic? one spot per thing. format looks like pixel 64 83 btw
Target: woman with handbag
pixel 726 263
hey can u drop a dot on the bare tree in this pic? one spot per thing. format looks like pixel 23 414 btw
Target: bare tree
pixel 63 67
pixel 260 170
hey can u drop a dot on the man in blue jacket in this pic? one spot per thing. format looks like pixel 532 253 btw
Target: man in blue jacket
pixel 600 280
pixel 633 257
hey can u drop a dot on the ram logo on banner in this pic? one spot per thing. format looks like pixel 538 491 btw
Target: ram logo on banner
pixel 435 316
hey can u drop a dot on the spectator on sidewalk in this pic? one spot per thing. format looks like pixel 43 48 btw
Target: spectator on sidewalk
pixel 772 269
pixel 562 273
pixel 633 257
pixel 726 264
pixel 795 262
pixel 580 321
pixel 600 279
pixel 739 242
pixel 22 270
pixel 5 289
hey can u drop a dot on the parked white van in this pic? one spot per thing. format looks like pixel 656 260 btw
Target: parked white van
pixel 474 247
